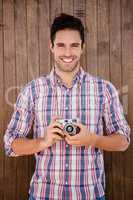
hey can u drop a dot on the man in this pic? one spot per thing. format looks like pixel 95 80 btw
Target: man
pixel 68 167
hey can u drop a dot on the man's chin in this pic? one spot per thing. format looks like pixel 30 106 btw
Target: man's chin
pixel 69 70
pixel 67 67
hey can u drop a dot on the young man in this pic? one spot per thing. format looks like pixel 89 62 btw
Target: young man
pixel 68 167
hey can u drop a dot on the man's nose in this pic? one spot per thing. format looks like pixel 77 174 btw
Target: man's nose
pixel 67 52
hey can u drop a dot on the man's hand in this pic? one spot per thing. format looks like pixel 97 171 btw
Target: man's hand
pixel 113 142
pixel 83 138
pixel 53 132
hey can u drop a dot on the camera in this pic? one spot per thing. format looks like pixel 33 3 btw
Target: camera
pixel 69 126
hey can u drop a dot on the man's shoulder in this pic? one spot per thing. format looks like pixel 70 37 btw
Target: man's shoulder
pixel 95 79
pixel 37 82
pixel 35 86
pixel 99 81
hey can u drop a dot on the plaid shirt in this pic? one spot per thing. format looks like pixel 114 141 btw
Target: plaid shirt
pixel 64 171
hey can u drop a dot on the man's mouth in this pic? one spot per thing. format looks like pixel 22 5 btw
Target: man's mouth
pixel 67 60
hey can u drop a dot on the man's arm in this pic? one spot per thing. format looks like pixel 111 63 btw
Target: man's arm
pixel 113 142
pixel 24 146
pixel 21 120
pixel 15 138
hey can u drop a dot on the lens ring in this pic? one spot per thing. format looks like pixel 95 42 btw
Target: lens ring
pixel 69 128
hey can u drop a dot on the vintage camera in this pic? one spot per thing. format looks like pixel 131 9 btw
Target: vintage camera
pixel 69 126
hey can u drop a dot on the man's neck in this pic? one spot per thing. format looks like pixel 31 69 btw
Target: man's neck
pixel 67 77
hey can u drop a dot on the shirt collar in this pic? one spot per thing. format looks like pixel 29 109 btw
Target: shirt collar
pixel 54 78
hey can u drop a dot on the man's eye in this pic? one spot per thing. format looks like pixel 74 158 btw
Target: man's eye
pixel 75 45
pixel 60 45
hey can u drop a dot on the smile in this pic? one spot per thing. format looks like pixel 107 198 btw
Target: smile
pixel 67 60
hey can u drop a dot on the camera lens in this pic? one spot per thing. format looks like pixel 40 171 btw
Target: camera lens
pixel 69 128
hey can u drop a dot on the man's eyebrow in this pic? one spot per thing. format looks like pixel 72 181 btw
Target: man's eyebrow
pixel 74 43
pixel 60 43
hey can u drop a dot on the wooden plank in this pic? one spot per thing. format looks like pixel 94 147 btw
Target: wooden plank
pixel 9 82
pixel 1 105
pixel 103 38
pixel 32 39
pixel 108 175
pixel 127 81
pixel 21 76
pixel 115 43
pixel 80 12
pixel 127 58
pixel 21 48
pixel 128 191
pixel 103 71
pixel 44 36
pixel 33 55
pixel 91 36
pixel 67 6
pixel 115 73
pixel 55 10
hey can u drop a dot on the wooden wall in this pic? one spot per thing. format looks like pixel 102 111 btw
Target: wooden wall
pixel 24 55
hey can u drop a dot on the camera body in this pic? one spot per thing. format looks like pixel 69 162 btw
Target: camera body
pixel 69 126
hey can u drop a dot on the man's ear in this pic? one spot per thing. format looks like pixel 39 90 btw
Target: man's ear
pixel 51 46
pixel 83 48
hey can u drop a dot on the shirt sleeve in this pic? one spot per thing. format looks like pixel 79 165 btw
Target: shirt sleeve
pixel 21 120
pixel 113 113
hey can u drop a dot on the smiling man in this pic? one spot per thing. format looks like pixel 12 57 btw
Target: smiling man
pixel 68 109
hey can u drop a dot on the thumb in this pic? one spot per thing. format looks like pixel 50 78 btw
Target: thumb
pixel 54 118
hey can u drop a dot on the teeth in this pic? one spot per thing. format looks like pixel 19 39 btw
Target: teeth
pixel 67 60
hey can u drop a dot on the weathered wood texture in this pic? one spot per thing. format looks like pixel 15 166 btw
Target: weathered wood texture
pixel 25 54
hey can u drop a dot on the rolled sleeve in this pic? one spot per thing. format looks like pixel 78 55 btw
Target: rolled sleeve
pixel 21 120
pixel 113 113
pixel 8 139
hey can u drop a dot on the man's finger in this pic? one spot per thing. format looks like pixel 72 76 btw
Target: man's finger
pixel 57 125
pixel 78 124
pixel 54 118
pixel 71 137
pixel 57 131
pixel 58 136
pixel 72 142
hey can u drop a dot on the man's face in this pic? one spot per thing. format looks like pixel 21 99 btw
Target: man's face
pixel 67 50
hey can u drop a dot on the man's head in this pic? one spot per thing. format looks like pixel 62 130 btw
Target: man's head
pixel 65 21
pixel 67 42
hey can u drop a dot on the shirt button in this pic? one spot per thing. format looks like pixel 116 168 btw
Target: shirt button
pixel 66 164
pixel 67 93
pixel 66 145
pixel 66 183
pixel 67 108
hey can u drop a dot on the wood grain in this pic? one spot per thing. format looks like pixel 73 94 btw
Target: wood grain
pixel 9 82
pixel 22 78
pixel 1 104
pixel 91 37
pixel 115 77
pixel 80 12
pixel 55 10
pixel 127 80
pixel 25 55
pixel 32 39
pixel 103 38
pixel 44 36
pixel 67 6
